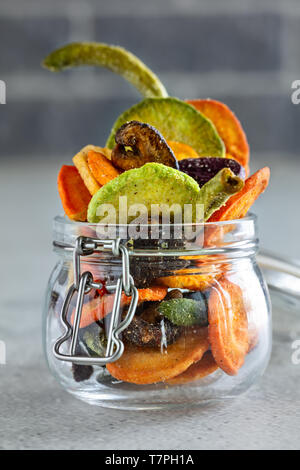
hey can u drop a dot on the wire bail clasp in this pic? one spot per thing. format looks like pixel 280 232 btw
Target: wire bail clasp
pixel 83 283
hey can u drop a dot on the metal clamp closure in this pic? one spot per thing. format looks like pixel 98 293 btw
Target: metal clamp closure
pixel 83 283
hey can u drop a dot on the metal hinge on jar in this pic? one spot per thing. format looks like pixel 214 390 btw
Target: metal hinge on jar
pixel 83 283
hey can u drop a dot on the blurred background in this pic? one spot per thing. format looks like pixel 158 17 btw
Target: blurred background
pixel 242 52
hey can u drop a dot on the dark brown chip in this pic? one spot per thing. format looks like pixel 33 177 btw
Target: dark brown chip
pixel 174 294
pixel 81 373
pixel 143 333
pixel 145 269
pixel 139 143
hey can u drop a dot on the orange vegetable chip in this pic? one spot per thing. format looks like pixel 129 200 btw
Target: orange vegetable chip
pixel 192 282
pixel 73 193
pixel 106 152
pixel 239 204
pixel 198 277
pixel 99 307
pixel 236 207
pixel 206 366
pixel 228 326
pixel 102 169
pixel 182 151
pixel 146 366
pixel 228 127
pixel 80 161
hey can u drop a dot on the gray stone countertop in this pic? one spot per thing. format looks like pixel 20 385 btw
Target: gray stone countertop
pixel 35 413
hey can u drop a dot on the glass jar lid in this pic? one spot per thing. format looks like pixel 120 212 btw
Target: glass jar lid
pixel 235 237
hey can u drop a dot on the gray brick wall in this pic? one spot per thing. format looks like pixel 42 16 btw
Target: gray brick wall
pixel 245 52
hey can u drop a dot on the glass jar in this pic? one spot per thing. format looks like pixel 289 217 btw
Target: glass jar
pixel 179 318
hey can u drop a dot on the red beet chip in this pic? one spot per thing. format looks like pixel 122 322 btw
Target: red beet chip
pixel 203 169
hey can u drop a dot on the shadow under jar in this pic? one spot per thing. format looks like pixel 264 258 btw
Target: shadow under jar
pixel 178 319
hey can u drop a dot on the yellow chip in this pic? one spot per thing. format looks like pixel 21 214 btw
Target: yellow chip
pixel 80 161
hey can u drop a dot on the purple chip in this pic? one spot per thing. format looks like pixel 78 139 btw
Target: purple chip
pixel 203 169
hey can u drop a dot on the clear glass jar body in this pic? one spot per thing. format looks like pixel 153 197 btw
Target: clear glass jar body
pixel 201 330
